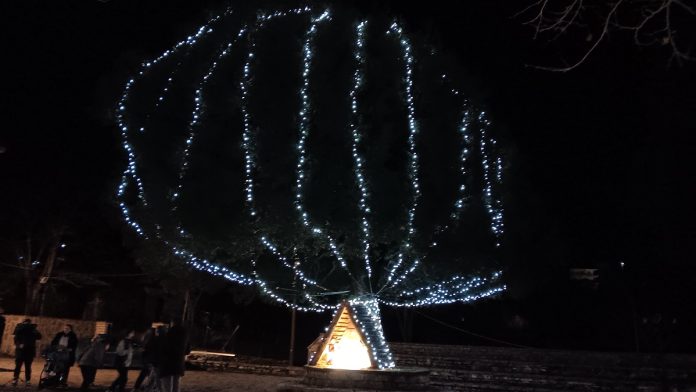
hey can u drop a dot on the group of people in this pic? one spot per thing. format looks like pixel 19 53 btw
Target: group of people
pixel 163 359
pixel 163 356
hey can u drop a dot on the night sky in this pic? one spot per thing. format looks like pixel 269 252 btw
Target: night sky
pixel 600 159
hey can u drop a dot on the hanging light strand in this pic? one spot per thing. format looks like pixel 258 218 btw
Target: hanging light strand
pixel 131 168
pixel 456 289
pixel 408 59
pixel 248 145
pixel 196 118
pixel 304 129
pixel 492 171
pixel 358 160
pixel 465 133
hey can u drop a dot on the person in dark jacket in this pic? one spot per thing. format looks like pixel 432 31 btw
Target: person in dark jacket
pixel 25 337
pixel 152 344
pixel 2 323
pixel 91 359
pixel 175 347
pixel 66 340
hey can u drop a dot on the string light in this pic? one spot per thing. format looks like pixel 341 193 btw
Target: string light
pixel 463 157
pixel 493 205
pixel 408 60
pixel 359 55
pixel 131 168
pixel 213 269
pixel 196 116
pixel 304 128
pixel 247 146
pixel 368 318
pixel 456 289
pixel 247 143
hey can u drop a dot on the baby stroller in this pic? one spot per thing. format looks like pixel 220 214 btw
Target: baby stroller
pixel 53 372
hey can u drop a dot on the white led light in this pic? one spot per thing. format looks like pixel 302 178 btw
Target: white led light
pixel 304 128
pixel 408 60
pixel 359 55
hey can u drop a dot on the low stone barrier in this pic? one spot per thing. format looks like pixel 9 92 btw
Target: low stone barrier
pixel 48 327
pixel 478 369
pixel 225 362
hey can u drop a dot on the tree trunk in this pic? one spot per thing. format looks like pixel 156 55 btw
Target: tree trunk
pixel 26 267
pixel 35 295
pixel 190 305
pixel 28 295
pixel 42 299
pixel 405 318
pixel 39 294
pixel 34 287
pixel 187 299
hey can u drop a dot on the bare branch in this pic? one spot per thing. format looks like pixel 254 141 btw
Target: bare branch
pixel 605 30
pixel 529 7
pixel 650 16
pixel 677 54
pixel 650 22
pixel 689 9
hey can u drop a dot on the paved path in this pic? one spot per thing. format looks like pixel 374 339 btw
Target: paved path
pixel 193 381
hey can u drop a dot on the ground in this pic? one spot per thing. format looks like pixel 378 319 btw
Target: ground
pixel 193 381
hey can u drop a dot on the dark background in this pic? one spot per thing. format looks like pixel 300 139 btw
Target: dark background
pixel 601 168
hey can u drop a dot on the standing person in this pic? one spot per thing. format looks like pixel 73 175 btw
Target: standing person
pixel 2 323
pixel 124 357
pixel 25 337
pixel 151 351
pixel 173 356
pixel 66 340
pixel 90 360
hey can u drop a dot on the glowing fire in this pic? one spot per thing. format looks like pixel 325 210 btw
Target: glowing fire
pixel 346 352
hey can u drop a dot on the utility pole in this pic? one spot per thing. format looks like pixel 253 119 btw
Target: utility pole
pixel 293 316
pixel 632 303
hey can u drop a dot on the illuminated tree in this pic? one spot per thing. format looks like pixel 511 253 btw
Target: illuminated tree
pixel 323 180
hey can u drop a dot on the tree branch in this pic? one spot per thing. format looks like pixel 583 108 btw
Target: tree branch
pixel 650 22
pixel 605 30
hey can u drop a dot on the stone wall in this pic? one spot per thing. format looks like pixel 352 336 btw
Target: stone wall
pixel 242 364
pixel 500 369
pixel 48 326
pixel 478 368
